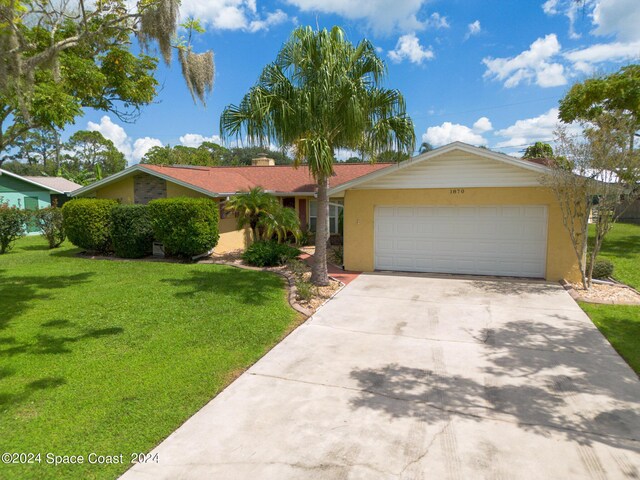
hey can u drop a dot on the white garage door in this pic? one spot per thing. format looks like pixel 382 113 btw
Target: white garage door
pixel 478 240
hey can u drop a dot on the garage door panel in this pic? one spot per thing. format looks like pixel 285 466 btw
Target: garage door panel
pixel 382 212
pixel 384 244
pixel 385 262
pixel 511 211
pixel 486 240
pixel 406 246
pixel 404 228
pixel 405 212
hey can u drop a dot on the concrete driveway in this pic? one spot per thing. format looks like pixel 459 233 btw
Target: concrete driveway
pixel 410 376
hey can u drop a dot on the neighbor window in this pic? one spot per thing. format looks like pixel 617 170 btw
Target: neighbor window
pixel 334 212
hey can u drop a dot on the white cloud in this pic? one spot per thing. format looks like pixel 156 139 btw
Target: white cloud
pixel 550 7
pixel 142 145
pixel 437 21
pixel 569 8
pixel 195 139
pixel 604 52
pixel 530 130
pixel 408 48
pixel 380 15
pixel 343 154
pixel 532 65
pixel 133 150
pixel 231 14
pixel 273 18
pixel 454 132
pixel 617 17
pixel 551 75
pixel 473 28
pixel 483 124
pixel 113 132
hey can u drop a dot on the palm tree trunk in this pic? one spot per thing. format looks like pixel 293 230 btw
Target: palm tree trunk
pixel 319 274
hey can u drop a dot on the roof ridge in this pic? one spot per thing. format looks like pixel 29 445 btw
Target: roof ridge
pixel 207 167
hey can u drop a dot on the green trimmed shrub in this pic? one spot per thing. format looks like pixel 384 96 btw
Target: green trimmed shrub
pixel 87 222
pixel 268 253
pixel 186 226
pixel 602 268
pixel 131 231
pixel 12 225
pixel 50 222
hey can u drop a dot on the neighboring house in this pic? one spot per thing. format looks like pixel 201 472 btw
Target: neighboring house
pixel 33 193
pixel 457 209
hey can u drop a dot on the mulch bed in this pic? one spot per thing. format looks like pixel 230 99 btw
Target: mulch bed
pixel 611 293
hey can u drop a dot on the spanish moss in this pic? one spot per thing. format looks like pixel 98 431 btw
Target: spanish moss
pixel 198 70
pixel 159 22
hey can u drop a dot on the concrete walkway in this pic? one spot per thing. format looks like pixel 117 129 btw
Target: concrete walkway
pixel 407 376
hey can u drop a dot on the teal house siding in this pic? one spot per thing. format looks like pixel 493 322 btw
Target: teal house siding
pixel 21 194
pixel 33 193
pixel 24 195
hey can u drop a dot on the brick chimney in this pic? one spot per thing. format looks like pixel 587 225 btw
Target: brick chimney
pixel 263 161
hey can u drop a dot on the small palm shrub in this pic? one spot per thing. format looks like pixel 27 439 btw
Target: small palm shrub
pixel 12 225
pixel 50 221
pixel 279 223
pixel 250 208
pixel 87 223
pixel 131 231
pixel 267 253
pixel 186 226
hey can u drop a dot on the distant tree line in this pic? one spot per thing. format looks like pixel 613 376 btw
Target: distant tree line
pixel 210 154
pixel 88 156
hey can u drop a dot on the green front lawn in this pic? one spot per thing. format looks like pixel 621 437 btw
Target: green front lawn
pixel 619 323
pixel 110 357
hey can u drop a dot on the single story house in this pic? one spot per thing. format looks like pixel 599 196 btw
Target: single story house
pixel 33 193
pixel 457 209
pixel 294 186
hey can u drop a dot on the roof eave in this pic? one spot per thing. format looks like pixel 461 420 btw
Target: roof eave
pixel 20 177
pixel 141 168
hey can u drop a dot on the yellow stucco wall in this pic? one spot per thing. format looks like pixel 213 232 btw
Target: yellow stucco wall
pixel 230 237
pixel 175 190
pixel 359 218
pixel 121 190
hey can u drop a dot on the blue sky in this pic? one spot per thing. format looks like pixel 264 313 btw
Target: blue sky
pixel 488 72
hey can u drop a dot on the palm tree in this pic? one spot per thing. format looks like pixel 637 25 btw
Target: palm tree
pixel 280 222
pixel 250 207
pixel 322 93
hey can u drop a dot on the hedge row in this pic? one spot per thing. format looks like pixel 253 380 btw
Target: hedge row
pixel 186 226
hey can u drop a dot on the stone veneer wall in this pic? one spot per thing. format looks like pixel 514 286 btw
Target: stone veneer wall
pixel 147 187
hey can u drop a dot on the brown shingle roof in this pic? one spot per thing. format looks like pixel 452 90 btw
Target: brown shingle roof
pixel 278 179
